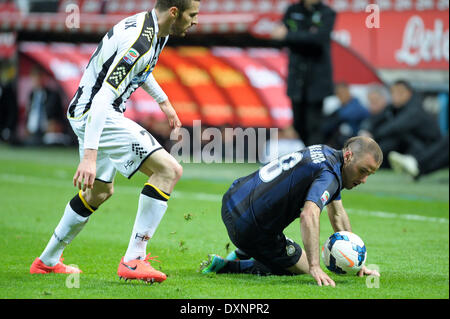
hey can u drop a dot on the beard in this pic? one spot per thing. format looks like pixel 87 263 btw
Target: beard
pixel 346 179
pixel 177 28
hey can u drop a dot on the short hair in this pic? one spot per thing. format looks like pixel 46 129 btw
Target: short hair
pixel 361 145
pixel 380 90
pixel 405 84
pixel 341 84
pixel 182 5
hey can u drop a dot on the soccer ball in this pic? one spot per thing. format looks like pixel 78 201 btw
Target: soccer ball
pixel 344 252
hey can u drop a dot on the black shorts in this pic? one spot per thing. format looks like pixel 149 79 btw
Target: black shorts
pixel 275 251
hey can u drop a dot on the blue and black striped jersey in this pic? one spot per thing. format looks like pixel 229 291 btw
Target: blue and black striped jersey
pixel 269 199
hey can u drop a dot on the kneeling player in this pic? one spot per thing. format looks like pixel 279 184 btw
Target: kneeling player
pixel 257 208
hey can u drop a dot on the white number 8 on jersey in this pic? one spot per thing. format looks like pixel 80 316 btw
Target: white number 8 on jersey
pixel 274 169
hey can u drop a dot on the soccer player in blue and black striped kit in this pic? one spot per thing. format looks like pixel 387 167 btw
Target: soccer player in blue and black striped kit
pixel 257 208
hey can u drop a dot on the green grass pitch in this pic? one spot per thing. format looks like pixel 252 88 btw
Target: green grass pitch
pixel 405 226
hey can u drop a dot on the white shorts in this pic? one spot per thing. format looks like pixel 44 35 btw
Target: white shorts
pixel 124 145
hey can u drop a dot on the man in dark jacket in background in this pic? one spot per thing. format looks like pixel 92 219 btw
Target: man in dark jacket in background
pixel 306 30
pixel 344 122
pixel 8 101
pixel 404 125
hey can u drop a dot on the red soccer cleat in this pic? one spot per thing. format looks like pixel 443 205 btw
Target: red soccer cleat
pixel 141 270
pixel 38 267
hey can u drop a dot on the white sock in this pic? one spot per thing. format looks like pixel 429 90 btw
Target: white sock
pixel 69 226
pixel 149 215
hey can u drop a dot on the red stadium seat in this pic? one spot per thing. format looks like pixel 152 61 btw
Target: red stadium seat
pixel 181 98
pixel 214 108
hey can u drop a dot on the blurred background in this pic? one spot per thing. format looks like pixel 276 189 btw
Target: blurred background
pixel 231 71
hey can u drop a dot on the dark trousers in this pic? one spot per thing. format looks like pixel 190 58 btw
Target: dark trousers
pixel 308 121
pixel 405 143
pixel 434 157
pixel 272 253
pixel 9 110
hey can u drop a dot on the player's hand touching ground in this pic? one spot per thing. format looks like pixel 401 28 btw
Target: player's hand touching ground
pixel 368 272
pixel 169 111
pixel 85 175
pixel 321 277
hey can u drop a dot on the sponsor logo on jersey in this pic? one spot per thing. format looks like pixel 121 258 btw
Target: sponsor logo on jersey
pixel 131 56
pixel 325 197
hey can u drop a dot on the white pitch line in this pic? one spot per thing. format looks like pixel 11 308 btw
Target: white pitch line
pixel 23 179
pixel 40 181
pixel 386 215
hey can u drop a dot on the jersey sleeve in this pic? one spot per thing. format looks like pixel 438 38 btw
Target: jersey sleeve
pixel 324 189
pixel 97 118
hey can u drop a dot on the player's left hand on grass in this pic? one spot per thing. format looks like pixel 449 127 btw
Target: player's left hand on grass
pixel 171 114
pixel 368 272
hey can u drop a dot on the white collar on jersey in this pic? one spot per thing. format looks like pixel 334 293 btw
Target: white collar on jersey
pixel 155 18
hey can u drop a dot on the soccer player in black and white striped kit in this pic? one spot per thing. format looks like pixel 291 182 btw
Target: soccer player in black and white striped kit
pixel 110 142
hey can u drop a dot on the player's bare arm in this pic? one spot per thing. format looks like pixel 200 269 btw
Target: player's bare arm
pixel 338 216
pixel 171 114
pixel 310 225
pixel 85 174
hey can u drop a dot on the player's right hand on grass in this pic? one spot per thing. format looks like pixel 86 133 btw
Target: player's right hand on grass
pixel 321 277
pixel 85 175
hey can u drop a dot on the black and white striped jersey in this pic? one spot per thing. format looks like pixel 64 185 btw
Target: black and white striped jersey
pixel 122 62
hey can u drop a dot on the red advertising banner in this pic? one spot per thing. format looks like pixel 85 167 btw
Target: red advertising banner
pixel 389 34
pixel 398 34
pixel 388 5
pixel 408 40
pixel 8 45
